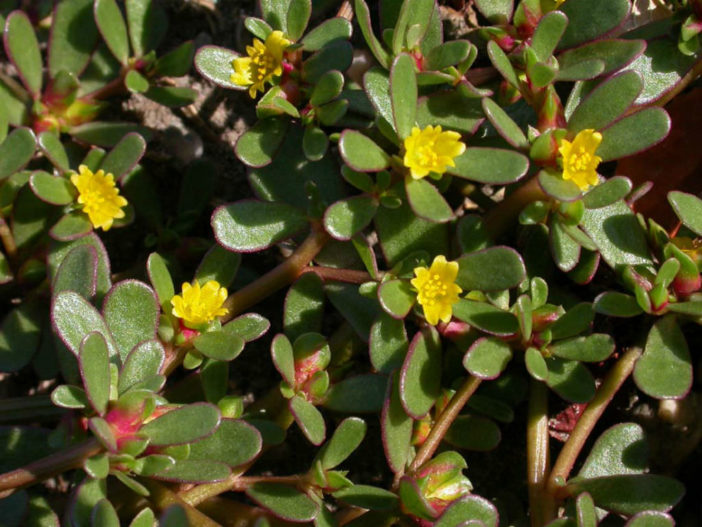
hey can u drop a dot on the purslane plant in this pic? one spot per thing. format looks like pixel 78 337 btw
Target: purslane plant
pixel 457 251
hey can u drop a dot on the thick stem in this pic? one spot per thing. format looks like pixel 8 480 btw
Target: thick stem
pixel 501 218
pixel 279 277
pixel 162 498
pixel 444 422
pixel 8 241
pixel 30 408
pixel 67 459
pixel 350 276
pixel 538 455
pixel 604 395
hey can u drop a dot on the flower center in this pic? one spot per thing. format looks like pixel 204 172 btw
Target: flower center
pixel 580 160
pixel 263 63
pixel 426 155
pixel 434 290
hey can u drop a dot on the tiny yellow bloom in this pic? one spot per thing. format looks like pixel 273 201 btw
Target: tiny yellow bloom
pixel 436 289
pixel 431 150
pixel 99 196
pixel 579 159
pixel 264 62
pixel 199 305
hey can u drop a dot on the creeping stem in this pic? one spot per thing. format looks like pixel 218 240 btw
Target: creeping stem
pixel 604 395
pixel 444 422
pixel 67 459
pixel 538 455
pixel 279 277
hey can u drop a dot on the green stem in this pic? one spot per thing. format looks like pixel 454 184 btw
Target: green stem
pixel 162 498
pixel 28 408
pixel 604 395
pixel 538 455
pixel 444 421
pixel 67 459
pixel 282 275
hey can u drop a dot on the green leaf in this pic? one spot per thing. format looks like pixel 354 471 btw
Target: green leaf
pixel 493 166
pixel 124 156
pixel 603 105
pixel 332 29
pixel 606 193
pixel 634 133
pixel 631 493
pixel 614 304
pixel 486 317
pixel 219 265
pixel 470 507
pixel 585 507
pixel 593 348
pixel 347 436
pixel 328 87
pixel 104 515
pixel 219 345
pixel 234 443
pixel 449 54
pixel 492 269
pixel 161 280
pixel 110 22
pixel 22 49
pixel 249 326
pixel 536 364
pixel 588 19
pixel 426 201
pixel 565 250
pixel 470 432
pixel 665 368
pixel 362 153
pixel 496 11
pixel 142 363
pixel 172 96
pixel 617 234
pixel 194 471
pixel 487 358
pixel 215 64
pixel 71 50
pixel 51 146
pixel 503 123
pixel 570 379
pixel 283 359
pixel 250 225
pixel 364 21
pixel 136 82
pixel 74 275
pixel 95 370
pixel 337 55
pixel 314 143
pixel 131 312
pixel 182 425
pixel 585 70
pixel 257 146
pixel 576 320
pixel 106 134
pixel 688 208
pixel 309 419
pixel 175 63
pixel 357 394
pixel 417 13
pixel 452 110
pixel 298 15
pixel 388 343
pixel 502 63
pixel 396 428
pixel 621 449
pixel 73 318
pixel 548 33
pixel 420 377
pixel 403 94
pixel 55 190
pixel 147 25
pixel 396 298
pixel 19 338
pixel 367 497
pixel 284 501
pixel 16 151
pixel 651 519
pixel 346 218
pixel 71 226
pixel 304 306
pixel 612 54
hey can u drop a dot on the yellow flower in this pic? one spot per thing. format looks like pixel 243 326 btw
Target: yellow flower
pixel 199 305
pixel 99 196
pixel 436 289
pixel 431 150
pixel 264 62
pixel 579 159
